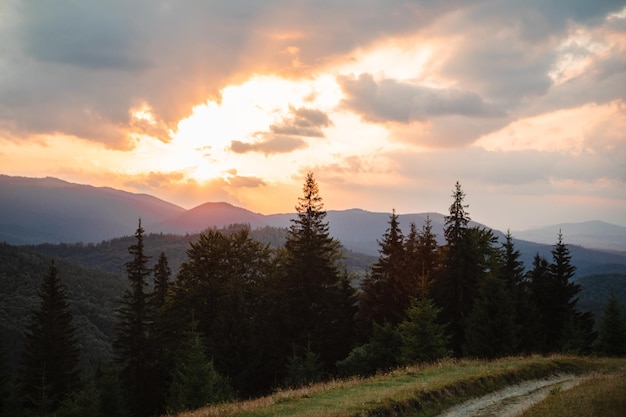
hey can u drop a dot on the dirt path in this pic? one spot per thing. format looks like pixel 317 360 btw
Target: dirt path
pixel 514 400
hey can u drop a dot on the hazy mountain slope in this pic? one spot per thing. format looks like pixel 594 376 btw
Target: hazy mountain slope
pixel 592 234
pixel 93 296
pixel 38 210
pixel 214 215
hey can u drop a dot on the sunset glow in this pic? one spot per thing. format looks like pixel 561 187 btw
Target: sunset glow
pixel 388 104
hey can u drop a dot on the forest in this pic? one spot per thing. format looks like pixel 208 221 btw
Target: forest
pixel 243 318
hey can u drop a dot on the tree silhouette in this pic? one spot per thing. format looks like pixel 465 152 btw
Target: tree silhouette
pixel 318 297
pixel 612 330
pixel 132 344
pixel 49 366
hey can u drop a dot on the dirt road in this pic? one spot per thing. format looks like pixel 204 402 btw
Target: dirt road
pixel 514 400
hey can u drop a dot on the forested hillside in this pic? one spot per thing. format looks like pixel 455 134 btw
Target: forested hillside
pixel 237 313
pixel 93 295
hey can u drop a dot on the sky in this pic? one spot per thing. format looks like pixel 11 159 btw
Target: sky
pixel 387 102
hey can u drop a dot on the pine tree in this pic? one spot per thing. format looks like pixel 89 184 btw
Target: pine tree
pixel 491 330
pixel 527 320
pixel 195 381
pixel 223 284
pixel 423 338
pixel 162 274
pixel 612 330
pixel 316 297
pixel 49 366
pixel 159 334
pixel 563 297
pixel 385 292
pixel 132 344
pixel 428 256
pixel 456 285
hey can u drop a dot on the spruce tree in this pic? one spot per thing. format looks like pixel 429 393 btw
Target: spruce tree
pixel 385 292
pixel 462 264
pixel 160 335
pixel 49 365
pixel 223 284
pixel 320 312
pixel 612 330
pixel 132 343
pixel 563 297
pixel 527 320
pixel 195 382
pixel 491 330
pixel 423 337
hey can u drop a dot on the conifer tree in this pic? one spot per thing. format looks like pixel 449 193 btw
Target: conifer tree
pixel 386 291
pixel 222 284
pixel 195 381
pixel 162 274
pixel 49 366
pixel 423 337
pixel 455 288
pixel 160 336
pixel 132 344
pixel 561 310
pixel 612 330
pixel 527 319
pixel 319 310
pixel 491 330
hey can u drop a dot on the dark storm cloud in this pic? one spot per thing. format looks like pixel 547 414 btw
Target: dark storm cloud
pixel 396 101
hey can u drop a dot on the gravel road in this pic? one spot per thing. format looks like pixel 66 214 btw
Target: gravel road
pixel 514 400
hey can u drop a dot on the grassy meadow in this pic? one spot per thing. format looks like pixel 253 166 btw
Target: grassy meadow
pixel 600 395
pixel 421 390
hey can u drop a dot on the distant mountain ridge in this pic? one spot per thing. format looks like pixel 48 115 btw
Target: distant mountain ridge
pixel 38 210
pixel 49 210
pixel 592 234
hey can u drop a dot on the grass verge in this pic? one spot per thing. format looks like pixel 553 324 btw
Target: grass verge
pixel 421 390
pixel 601 395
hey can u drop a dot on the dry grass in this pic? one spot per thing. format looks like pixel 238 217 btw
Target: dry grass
pixel 428 388
pixel 601 395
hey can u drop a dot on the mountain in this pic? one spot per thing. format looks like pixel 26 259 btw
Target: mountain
pixel 38 210
pixel 216 215
pixel 592 234
pixel 49 210
pixel 93 296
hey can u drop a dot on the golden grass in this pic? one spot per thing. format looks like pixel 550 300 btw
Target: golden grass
pixel 601 395
pixel 428 388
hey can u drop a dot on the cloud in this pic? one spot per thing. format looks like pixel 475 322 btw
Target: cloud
pixel 286 136
pixel 268 146
pixel 397 101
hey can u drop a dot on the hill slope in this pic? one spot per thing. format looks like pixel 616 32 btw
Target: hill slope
pixel 38 210
pixel 93 295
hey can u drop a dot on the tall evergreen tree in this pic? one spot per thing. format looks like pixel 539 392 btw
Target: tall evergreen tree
pixel 539 282
pixel 162 273
pixel 428 257
pixel 49 366
pixel 132 343
pixel 463 264
pixel 491 330
pixel 159 331
pixel 563 297
pixel 319 308
pixel 385 291
pixel 223 284
pixel 612 330
pixel 527 320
